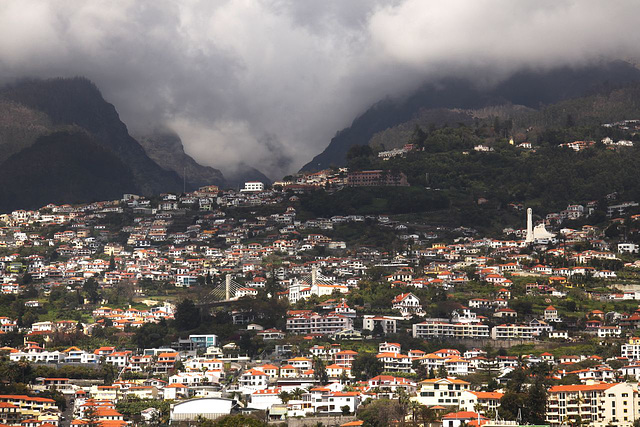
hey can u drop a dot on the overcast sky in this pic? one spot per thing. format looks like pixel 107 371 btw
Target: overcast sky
pixel 270 82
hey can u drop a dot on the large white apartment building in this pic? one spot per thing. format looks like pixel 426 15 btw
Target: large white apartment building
pixel 314 323
pixel 441 392
pixel 599 405
pixel 439 328
pixel 631 350
pixel 512 332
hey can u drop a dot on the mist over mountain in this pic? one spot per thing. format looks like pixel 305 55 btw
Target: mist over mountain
pixel 528 88
pixel 97 160
pixel 228 76
pixel 166 149
pixel 78 102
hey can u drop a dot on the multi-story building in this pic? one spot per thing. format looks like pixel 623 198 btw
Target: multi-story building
pixel 480 401
pixel 599 405
pixel 442 328
pixel 10 414
pixel 407 304
pixel 253 186
pixel 332 402
pixel 631 350
pixel 29 407
pixel 118 358
pixel 395 362
pixel 204 341
pixel 166 362
pixel 253 380
pixel 376 178
pixel 387 323
pixel 512 332
pixel 345 358
pixel 441 392
pixel 314 323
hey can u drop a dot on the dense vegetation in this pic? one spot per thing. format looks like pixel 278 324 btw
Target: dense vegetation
pixel 373 201
pixel 529 88
pixel 461 186
pixel 548 178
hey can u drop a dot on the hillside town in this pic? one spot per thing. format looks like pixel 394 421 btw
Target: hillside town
pixel 188 307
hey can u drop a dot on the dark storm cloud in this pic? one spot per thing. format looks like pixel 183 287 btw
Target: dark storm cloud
pixel 269 82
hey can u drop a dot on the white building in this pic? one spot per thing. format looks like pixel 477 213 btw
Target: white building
pixel 443 328
pixel 512 332
pixel 388 323
pixel 631 248
pixel 253 186
pixel 314 323
pixel 264 399
pixel 631 350
pixel 599 404
pixel 441 391
pixel 253 380
pixel 208 407
pixel 609 332
pixel 482 401
pixel 407 304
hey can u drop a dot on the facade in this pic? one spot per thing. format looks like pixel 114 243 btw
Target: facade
pixel 407 304
pixel 209 408
pixel 376 178
pixel 253 186
pixel 482 401
pixel 441 392
pixel 631 350
pixel 204 341
pixel 598 404
pixel 314 323
pixel 440 328
pixel 387 323
pixel 512 332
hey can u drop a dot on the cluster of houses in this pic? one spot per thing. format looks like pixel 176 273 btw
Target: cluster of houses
pixel 166 243
pixel 288 387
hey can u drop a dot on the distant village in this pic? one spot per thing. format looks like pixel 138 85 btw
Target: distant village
pixel 506 303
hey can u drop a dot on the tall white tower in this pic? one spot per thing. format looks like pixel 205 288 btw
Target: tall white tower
pixel 529 238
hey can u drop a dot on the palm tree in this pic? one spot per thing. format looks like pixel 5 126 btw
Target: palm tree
pixel 285 396
pixel 297 394
pixel 415 408
pixel 403 400
pixel 427 415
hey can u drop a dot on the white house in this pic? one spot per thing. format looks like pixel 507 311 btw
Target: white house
pixel 407 304
pixel 441 391
pixel 253 186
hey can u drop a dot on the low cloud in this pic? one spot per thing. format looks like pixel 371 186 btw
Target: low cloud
pixel 268 83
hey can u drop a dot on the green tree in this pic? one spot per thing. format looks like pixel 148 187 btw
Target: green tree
pixel 284 396
pixel 365 366
pixel 380 413
pixel 91 289
pixel 320 371
pixel 187 315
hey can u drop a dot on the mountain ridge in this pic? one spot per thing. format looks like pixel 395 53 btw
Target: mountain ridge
pixel 63 167
pixel 78 102
pixel 528 88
